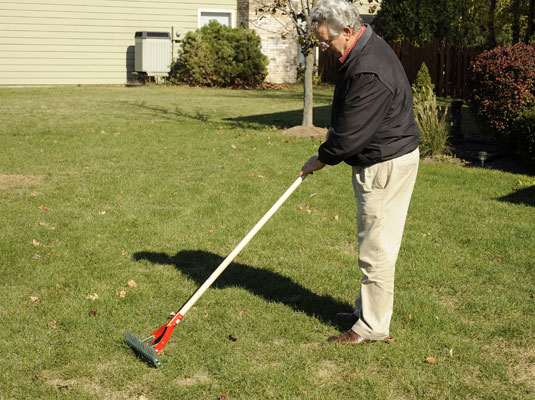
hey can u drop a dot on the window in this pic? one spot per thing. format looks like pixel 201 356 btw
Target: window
pixel 224 17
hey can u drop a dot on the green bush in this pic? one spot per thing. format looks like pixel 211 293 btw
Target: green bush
pixel 423 79
pixel 217 55
pixel 524 133
pixel 434 128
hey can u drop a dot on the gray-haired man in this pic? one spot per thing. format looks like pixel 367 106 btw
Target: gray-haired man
pixel 372 129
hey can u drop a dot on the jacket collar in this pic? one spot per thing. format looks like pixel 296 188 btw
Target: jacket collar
pixel 359 46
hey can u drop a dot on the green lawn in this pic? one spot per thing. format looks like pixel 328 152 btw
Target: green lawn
pixel 101 187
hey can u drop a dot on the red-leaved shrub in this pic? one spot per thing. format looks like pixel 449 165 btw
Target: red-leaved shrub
pixel 502 86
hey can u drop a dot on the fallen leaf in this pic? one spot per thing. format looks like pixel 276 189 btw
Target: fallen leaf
pixel 302 249
pixel 222 397
pixel 34 298
pixel 93 313
pixel 313 194
pixel 123 253
pixel 102 212
pixel 233 146
pixel 409 316
pixel 451 352
pixel 35 243
pixel 132 283
pixel 36 256
pixel 430 360
pixel 261 176
pixel 389 340
pixel 41 223
pixel 336 217
pixel 122 294
pixel 232 338
pixel 53 324
pixel 92 297
pixel 242 312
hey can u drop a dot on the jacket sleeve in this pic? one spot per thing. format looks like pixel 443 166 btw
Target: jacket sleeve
pixel 363 109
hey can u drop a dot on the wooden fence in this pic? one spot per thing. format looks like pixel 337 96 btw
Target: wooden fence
pixel 448 65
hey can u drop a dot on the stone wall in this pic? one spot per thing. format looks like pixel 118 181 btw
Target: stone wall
pixel 279 42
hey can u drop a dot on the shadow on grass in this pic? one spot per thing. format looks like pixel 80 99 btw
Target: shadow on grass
pixel 524 196
pixel 279 120
pixel 284 119
pixel 269 285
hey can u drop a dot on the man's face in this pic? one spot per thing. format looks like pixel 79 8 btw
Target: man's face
pixel 334 43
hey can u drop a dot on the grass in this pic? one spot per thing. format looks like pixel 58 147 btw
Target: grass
pixel 101 186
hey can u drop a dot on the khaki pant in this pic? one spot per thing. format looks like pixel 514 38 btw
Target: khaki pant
pixel 383 192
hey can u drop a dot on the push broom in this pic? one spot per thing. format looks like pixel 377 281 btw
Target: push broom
pixel 151 347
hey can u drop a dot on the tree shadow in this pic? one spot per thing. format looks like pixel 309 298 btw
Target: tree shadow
pixel 269 285
pixel 524 196
pixel 285 119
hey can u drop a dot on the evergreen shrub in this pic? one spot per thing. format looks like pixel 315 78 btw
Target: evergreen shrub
pixel 432 121
pixel 220 56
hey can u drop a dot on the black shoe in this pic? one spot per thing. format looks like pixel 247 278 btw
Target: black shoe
pixel 350 318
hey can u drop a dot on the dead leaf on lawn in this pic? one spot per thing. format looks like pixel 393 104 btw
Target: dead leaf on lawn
pixel 34 298
pixel 35 243
pixel 451 352
pixel 242 312
pixel 93 313
pixel 122 294
pixel 302 249
pixel 232 338
pixel 430 360
pixel 92 297
pixel 132 283
pixel 53 324
pixel 36 256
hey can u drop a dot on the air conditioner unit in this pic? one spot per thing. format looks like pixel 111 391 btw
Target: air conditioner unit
pixel 153 53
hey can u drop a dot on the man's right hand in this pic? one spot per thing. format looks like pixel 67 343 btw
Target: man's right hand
pixel 313 164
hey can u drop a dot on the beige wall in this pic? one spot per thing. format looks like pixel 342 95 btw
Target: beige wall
pixel 45 42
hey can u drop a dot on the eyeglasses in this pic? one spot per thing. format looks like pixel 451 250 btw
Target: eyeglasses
pixel 326 44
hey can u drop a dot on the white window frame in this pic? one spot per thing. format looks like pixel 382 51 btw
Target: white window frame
pixel 217 10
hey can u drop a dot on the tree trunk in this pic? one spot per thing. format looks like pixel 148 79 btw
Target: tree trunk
pixel 531 22
pixel 492 33
pixel 515 27
pixel 308 102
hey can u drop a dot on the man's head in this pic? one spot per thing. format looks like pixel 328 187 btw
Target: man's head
pixel 335 23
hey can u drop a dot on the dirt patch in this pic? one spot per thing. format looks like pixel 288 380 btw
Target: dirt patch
pixel 312 131
pixel 8 182
pixel 523 369
pixel 327 371
pixel 197 379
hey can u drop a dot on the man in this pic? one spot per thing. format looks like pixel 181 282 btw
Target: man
pixel 372 129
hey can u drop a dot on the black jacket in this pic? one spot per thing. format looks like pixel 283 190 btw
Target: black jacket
pixel 372 116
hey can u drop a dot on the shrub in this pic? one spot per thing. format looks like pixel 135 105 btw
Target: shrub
pixel 423 79
pixel 434 128
pixel 217 55
pixel 524 133
pixel 502 86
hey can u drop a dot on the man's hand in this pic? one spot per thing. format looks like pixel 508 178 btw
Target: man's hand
pixel 313 164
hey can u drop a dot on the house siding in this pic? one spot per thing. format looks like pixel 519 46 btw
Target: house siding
pixel 46 42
